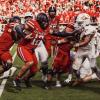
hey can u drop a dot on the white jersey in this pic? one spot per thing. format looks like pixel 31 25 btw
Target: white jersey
pixel 98 41
pixel 87 51
pixel 88 30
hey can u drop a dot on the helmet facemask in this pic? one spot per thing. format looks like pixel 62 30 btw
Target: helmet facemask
pixel 52 14
pixel 43 21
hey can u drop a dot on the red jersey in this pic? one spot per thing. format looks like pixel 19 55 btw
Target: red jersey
pixel 37 34
pixel 65 47
pixel 54 22
pixel 6 40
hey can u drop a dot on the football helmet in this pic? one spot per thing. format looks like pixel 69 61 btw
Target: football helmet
pixel 43 20
pixel 17 32
pixel 83 19
pixel 28 15
pixel 52 12
pixel 15 19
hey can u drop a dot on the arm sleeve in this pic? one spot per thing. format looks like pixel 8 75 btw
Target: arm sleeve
pixel 65 34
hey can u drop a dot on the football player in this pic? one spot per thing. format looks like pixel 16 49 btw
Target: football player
pixel 7 39
pixel 86 45
pixel 61 63
pixel 42 52
pixel 85 72
pixel 53 23
pixel 28 49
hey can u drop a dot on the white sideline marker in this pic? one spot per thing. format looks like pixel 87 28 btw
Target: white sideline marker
pixel 13 69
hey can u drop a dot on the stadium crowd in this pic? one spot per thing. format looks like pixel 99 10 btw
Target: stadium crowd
pixel 68 8
pixel 51 28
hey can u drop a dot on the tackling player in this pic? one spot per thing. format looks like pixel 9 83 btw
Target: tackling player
pixel 86 45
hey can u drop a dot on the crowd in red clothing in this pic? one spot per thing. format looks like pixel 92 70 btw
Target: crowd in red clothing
pixel 37 31
pixel 68 8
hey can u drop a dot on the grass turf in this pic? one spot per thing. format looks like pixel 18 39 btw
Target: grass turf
pixel 88 91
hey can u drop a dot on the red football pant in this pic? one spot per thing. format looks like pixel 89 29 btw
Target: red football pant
pixel 27 56
pixel 61 61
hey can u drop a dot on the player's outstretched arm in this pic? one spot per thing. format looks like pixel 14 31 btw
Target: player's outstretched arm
pixel 65 34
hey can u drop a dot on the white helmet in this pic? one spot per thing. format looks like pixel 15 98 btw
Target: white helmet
pixel 28 14
pixel 83 19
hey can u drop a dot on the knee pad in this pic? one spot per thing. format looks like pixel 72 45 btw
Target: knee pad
pixel 7 66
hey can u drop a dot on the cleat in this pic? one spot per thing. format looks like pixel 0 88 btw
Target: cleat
pixel 46 87
pixel 17 84
pixel 58 84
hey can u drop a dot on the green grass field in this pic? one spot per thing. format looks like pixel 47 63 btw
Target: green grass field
pixel 88 91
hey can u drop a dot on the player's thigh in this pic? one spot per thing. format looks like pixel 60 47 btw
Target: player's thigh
pixel 59 58
pixel 41 54
pixel 24 54
pixel 77 63
pixel 93 62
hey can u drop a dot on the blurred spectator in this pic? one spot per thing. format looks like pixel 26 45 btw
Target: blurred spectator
pixel 11 8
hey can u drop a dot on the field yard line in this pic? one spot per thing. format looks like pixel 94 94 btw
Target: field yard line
pixel 2 86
